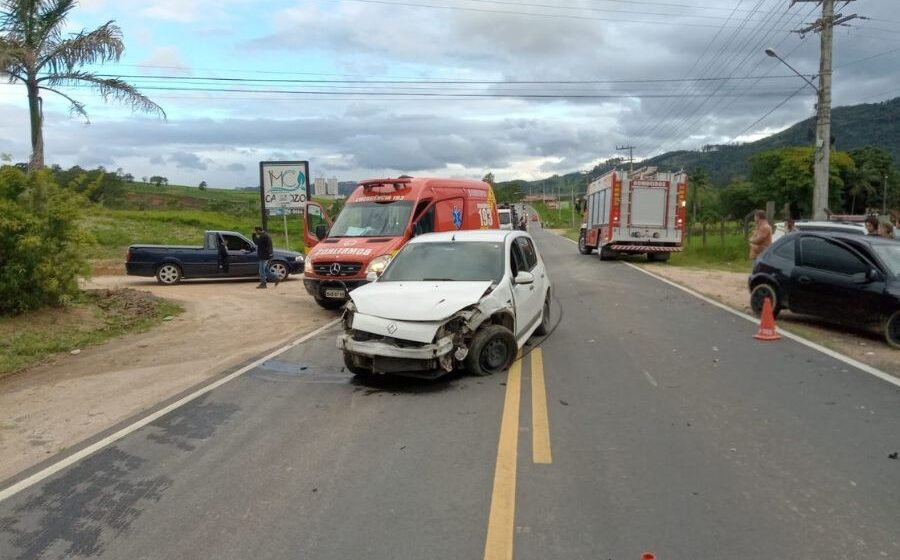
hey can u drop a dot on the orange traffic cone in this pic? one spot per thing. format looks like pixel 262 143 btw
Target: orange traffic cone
pixel 647 556
pixel 767 323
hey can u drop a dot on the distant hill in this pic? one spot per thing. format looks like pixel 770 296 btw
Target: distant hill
pixel 853 126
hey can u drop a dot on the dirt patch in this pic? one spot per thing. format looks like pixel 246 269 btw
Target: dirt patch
pixel 730 288
pixel 107 267
pixel 58 404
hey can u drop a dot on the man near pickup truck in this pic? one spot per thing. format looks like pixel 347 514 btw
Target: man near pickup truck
pixel 264 252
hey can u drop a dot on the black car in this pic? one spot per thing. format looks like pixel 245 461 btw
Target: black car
pixel 840 277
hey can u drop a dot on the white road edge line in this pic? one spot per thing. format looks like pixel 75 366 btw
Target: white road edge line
pixel 112 438
pixel 884 376
pixel 650 379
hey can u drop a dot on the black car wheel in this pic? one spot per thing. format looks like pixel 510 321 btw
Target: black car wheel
pixel 759 294
pixel 279 270
pixel 492 351
pixel 582 244
pixel 892 330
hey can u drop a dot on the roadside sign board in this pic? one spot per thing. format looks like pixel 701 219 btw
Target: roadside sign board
pixel 283 187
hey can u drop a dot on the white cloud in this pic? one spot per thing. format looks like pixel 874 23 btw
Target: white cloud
pixel 165 60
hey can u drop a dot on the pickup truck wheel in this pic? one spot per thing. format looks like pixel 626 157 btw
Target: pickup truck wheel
pixel 544 327
pixel 492 351
pixel 279 270
pixel 168 274
pixel 582 244
pixel 330 304
pixel 892 330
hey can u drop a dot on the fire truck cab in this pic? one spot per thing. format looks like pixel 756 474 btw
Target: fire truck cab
pixel 639 212
pixel 378 219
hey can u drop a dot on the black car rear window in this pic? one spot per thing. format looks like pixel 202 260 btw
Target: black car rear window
pixel 826 255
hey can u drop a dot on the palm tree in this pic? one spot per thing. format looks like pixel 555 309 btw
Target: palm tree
pixel 34 52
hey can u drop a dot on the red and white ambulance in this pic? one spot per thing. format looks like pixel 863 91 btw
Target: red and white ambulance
pixel 638 212
pixel 378 219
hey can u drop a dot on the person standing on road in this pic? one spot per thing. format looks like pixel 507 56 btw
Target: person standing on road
pixel 885 229
pixel 222 250
pixel 762 236
pixel 264 252
pixel 872 225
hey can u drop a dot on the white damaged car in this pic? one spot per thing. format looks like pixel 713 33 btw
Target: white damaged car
pixel 466 299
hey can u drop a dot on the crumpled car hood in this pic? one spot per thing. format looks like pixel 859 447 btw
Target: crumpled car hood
pixel 417 301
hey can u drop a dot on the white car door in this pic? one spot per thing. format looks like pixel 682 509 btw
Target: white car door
pixel 528 298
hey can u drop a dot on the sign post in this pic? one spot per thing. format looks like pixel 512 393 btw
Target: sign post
pixel 283 189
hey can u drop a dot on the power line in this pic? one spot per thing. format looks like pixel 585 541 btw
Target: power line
pixel 764 117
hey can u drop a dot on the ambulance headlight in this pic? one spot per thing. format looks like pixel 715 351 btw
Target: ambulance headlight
pixel 378 264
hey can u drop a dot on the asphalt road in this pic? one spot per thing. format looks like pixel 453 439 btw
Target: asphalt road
pixel 648 421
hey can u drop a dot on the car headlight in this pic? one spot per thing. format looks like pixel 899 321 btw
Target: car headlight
pixel 298 258
pixel 378 264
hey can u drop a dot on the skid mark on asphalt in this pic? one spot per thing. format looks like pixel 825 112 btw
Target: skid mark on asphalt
pixel 281 370
pixel 192 423
pixel 76 514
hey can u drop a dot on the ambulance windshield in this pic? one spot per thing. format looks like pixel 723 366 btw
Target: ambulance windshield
pixel 372 219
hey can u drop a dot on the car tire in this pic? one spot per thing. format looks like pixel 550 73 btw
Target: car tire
pixel 355 369
pixel 330 304
pixel 582 244
pixel 279 270
pixel 544 326
pixel 492 351
pixel 759 293
pixel 892 330
pixel 168 274
pixel 658 257
pixel 607 254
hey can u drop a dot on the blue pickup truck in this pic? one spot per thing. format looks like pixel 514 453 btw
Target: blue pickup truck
pixel 172 263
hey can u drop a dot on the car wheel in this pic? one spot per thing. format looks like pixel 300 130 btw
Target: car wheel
pixel 492 351
pixel 544 327
pixel 168 274
pixel 279 270
pixel 607 254
pixel 759 294
pixel 355 369
pixel 582 244
pixel 330 304
pixel 892 330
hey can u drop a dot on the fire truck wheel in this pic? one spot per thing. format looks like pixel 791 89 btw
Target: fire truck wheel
pixel 658 257
pixel 759 294
pixel 607 254
pixel 582 245
pixel 492 351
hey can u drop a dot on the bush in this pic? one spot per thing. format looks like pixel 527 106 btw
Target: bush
pixel 41 244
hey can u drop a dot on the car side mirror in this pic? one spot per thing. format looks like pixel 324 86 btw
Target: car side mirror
pixel 371 277
pixel 874 275
pixel 524 278
pixel 321 231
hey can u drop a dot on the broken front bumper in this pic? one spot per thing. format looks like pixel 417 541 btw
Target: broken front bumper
pixel 383 356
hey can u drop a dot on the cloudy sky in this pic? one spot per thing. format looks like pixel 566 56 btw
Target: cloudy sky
pixel 523 88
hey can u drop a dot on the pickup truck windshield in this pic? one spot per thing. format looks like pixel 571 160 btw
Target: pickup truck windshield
pixel 468 261
pixel 372 219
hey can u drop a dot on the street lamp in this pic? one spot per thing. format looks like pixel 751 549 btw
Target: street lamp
pixel 823 133
pixel 884 196
pixel 771 52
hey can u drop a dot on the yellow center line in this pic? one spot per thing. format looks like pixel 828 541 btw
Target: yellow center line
pixel 540 423
pixel 501 522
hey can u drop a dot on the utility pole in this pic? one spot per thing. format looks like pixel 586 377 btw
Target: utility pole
pixel 884 197
pixel 630 156
pixel 824 26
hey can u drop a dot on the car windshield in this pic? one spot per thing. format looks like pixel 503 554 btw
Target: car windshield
pixel 890 254
pixel 372 219
pixel 459 261
pixel 504 217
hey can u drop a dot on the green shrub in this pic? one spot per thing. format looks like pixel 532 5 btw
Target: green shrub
pixel 41 243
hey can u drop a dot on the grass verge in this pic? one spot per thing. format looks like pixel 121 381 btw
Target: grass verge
pixel 100 315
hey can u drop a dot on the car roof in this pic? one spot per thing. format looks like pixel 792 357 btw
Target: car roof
pixel 487 235
pixel 870 239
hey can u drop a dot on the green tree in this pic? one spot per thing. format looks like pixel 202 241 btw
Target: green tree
pixel 865 187
pixel 738 199
pixel 41 242
pixel 34 52
pixel 202 185
pixel 785 176
pixel 158 180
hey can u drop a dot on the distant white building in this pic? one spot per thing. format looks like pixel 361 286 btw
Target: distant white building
pixel 325 188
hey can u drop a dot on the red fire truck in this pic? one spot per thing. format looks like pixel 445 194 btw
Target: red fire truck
pixel 638 212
